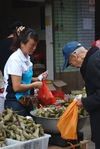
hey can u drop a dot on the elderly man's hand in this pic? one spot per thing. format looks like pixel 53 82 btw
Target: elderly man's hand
pixel 80 104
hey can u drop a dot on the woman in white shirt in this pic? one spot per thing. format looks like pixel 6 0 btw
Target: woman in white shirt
pixel 18 71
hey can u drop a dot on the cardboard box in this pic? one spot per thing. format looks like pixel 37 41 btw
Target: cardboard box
pixel 56 85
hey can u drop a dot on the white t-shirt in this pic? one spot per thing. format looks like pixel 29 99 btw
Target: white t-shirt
pixel 18 65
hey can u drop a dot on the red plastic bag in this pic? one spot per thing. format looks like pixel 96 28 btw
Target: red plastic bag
pixel 45 96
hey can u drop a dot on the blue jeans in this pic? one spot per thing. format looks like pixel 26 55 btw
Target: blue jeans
pixel 18 107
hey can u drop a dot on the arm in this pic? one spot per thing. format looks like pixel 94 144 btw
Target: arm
pixel 35 79
pixel 18 87
pixel 92 102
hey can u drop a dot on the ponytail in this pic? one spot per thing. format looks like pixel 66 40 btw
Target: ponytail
pixel 23 35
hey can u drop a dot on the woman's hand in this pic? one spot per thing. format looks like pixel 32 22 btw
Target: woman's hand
pixel 37 84
pixel 45 74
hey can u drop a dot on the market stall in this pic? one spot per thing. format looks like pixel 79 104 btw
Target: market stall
pixel 41 129
pixel 49 116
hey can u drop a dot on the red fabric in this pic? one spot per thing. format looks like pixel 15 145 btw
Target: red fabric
pixel 96 43
pixel 45 96
pixel 39 56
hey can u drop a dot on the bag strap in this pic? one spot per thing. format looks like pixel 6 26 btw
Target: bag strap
pixel 73 147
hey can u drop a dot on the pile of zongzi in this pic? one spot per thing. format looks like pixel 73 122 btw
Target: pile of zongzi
pixel 51 112
pixel 18 127
pixel 2 135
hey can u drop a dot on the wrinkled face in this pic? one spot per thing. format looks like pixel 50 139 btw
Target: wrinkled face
pixel 75 60
pixel 29 47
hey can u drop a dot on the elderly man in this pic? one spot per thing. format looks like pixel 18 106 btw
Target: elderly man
pixel 89 63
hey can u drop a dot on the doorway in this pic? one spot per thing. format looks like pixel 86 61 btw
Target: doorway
pixel 31 14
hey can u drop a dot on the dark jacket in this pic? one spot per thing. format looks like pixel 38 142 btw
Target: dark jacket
pixel 90 71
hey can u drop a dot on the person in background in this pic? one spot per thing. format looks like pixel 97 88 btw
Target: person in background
pixel 96 43
pixel 6 43
pixel 18 80
pixel 89 63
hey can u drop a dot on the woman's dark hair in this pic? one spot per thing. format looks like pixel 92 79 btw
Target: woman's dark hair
pixel 24 37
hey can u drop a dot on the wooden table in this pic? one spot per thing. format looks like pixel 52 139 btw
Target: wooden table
pixel 82 145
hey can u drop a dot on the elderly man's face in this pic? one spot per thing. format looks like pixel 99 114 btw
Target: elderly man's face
pixel 75 60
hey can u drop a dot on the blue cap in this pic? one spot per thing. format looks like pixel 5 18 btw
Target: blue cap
pixel 68 49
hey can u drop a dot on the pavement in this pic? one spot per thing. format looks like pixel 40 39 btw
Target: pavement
pixel 87 133
pixel 91 145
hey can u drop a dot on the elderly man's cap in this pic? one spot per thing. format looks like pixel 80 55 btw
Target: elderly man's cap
pixel 68 49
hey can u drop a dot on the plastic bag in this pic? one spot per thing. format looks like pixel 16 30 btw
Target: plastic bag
pixel 45 96
pixel 59 94
pixel 67 124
